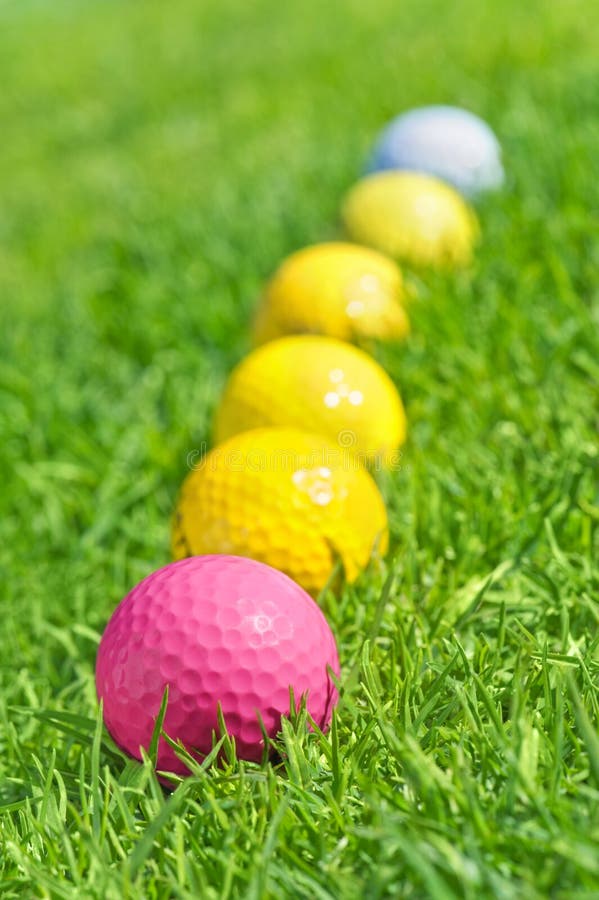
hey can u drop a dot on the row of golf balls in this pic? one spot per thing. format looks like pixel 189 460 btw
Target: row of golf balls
pixel 286 490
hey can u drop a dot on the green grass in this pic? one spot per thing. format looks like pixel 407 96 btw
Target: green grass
pixel 157 160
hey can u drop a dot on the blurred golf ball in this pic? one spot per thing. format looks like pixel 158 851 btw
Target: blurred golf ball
pixel 411 217
pixel 290 499
pixel 320 384
pixel 445 141
pixel 338 289
pixel 215 630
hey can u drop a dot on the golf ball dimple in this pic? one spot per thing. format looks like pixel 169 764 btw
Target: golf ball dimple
pixel 321 384
pixel 451 143
pixel 215 630
pixel 336 289
pixel 412 217
pixel 287 498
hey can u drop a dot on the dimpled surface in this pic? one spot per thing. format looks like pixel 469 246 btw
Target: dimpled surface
pixel 445 141
pixel 412 217
pixel 285 497
pixel 338 289
pixel 214 629
pixel 318 383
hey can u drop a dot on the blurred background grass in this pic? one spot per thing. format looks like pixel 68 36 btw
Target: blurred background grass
pixel 156 163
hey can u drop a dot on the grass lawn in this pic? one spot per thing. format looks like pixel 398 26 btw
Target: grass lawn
pixel 157 160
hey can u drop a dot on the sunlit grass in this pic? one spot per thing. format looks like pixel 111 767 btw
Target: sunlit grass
pixel 156 163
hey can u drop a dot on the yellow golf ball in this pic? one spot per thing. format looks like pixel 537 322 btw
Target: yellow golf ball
pixel 413 217
pixel 286 498
pixel 321 384
pixel 338 289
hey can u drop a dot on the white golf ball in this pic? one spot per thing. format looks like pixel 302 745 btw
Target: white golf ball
pixel 445 141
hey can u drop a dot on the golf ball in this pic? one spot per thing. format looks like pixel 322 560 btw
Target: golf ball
pixel 321 384
pixel 412 217
pixel 445 141
pixel 338 289
pixel 215 630
pixel 287 498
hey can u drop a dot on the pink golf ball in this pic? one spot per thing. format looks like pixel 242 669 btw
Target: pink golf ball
pixel 215 629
